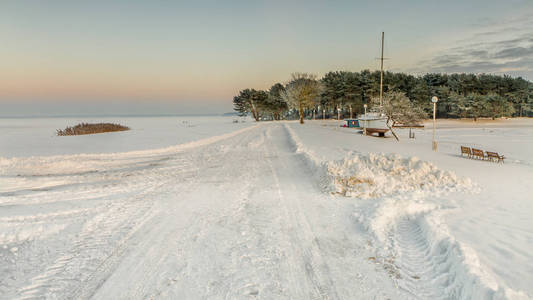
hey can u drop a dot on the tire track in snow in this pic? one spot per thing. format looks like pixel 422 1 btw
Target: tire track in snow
pixel 175 237
pixel 306 252
pixel 82 260
pixel 243 225
pixel 437 267
pixel 164 239
pixel 95 249
pixel 125 188
pixel 427 271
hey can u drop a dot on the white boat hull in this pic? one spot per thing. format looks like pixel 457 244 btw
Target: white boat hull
pixel 374 123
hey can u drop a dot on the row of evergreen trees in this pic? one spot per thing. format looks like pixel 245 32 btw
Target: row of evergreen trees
pixel 460 95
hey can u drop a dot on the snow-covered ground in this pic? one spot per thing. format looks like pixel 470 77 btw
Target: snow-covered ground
pixel 275 210
pixel 37 136
pixel 471 229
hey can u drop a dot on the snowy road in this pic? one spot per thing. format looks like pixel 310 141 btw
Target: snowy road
pixel 249 214
pixel 238 218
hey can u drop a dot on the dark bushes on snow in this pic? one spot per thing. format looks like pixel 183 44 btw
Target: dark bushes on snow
pixel 86 128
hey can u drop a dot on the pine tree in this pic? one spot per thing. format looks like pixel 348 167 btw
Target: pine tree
pixel 250 101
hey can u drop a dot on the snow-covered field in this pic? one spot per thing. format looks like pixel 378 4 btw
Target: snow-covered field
pixel 37 136
pixel 275 210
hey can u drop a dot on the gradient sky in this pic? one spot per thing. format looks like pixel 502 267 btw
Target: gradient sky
pixel 176 57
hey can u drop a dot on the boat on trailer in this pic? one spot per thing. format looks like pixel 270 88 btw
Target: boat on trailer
pixel 375 121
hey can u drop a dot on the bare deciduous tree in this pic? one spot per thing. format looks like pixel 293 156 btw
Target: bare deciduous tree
pixel 302 92
pixel 400 110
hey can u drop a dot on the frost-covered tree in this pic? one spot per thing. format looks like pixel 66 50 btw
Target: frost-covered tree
pixel 302 92
pixel 399 110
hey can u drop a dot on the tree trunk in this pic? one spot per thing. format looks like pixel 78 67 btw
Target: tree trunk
pixel 392 131
pixel 254 112
pixel 302 112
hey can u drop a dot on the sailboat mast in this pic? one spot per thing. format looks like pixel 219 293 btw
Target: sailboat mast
pixel 381 80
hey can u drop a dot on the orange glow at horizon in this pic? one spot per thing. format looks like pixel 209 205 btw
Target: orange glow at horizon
pixel 37 84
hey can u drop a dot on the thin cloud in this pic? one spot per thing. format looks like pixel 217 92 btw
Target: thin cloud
pixel 514 53
pixel 503 46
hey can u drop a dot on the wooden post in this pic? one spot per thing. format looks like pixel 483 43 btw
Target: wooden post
pixel 434 144
pixel 338 116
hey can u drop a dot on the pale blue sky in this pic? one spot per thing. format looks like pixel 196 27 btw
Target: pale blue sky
pixel 189 57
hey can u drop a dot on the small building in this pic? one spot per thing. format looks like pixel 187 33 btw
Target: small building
pixel 352 123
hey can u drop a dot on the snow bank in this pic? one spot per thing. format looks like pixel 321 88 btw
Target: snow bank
pixel 406 199
pixel 416 247
pixel 316 165
pixel 375 175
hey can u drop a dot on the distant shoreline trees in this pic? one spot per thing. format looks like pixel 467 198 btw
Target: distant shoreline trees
pixel 460 95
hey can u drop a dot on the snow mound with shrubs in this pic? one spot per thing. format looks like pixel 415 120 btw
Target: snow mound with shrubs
pixel 375 175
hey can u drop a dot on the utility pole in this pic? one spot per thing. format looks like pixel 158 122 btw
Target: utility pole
pixel 381 79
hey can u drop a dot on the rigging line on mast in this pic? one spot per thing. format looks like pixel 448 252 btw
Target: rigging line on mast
pixel 381 79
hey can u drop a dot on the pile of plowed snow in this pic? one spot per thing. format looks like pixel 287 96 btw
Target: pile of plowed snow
pixel 375 175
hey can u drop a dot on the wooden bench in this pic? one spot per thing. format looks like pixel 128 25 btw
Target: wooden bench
pixel 493 156
pixel 476 153
pixel 479 154
pixel 467 151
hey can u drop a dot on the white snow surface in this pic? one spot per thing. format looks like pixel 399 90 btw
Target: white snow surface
pixel 275 210
pixel 23 137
